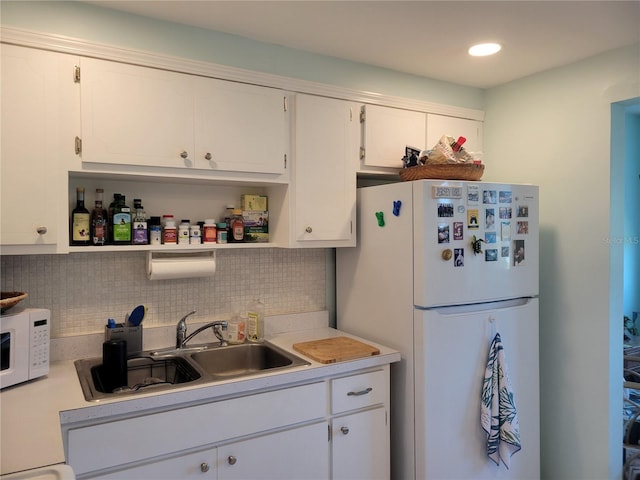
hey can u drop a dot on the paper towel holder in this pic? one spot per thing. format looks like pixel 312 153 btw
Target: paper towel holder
pixel 188 264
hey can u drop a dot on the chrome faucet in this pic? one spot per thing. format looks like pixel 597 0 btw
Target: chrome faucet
pixel 181 331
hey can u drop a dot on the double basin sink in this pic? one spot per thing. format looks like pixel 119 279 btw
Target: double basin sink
pixel 168 369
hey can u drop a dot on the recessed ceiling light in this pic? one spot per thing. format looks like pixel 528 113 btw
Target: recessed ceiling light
pixel 484 49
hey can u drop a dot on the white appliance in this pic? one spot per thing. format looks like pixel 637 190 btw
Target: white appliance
pixel 415 284
pixel 24 345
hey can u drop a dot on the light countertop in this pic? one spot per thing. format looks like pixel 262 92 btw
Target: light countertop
pixel 32 413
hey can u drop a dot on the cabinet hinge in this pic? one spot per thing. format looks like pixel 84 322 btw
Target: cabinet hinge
pixel 285 161
pixel 362 152
pixel 351 227
pixel 284 103
pixel 350 114
pixel 363 115
pixel 76 74
pixel 386 418
pixel 328 432
pixel 78 146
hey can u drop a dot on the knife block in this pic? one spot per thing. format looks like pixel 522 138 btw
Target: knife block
pixel 132 335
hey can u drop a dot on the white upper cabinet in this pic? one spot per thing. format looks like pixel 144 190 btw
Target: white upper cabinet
pixel 136 116
pixel 239 127
pixel 438 125
pixel 142 116
pixel 386 132
pixel 40 118
pixel 325 146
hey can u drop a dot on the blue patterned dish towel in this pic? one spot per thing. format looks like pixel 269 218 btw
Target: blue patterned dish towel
pixel 498 413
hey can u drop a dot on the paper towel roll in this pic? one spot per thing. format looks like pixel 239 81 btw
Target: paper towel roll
pixel 168 267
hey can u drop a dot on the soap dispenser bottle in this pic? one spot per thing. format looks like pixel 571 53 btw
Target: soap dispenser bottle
pixel 255 321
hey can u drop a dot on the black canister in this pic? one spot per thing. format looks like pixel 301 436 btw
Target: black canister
pixel 114 364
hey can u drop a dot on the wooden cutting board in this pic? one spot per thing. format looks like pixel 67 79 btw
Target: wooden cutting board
pixel 335 349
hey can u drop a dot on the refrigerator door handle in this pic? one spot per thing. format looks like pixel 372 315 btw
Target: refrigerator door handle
pixel 480 307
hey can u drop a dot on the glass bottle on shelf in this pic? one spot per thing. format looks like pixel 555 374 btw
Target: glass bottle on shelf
pixel 122 222
pixel 140 228
pixel 112 207
pixel 99 220
pixel 237 227
pixel 80 221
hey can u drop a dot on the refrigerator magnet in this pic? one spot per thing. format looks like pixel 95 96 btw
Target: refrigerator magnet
pixel 504 196
pixel 489 196
pixel 489 218
pixel 443 233
pixel 458 257
pixel 396 207
pixel 505 212
pixel 473 194
pixel 505 231
pixel 458 230
pixel 490 237
pixel 380 218
pixel 472 219
pixel 522 227
pixel 445 209
pixel 491 255
pixel 522 211
pixel 505 252
pixel 518 253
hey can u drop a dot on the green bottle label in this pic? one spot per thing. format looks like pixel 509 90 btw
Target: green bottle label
pixel 122 227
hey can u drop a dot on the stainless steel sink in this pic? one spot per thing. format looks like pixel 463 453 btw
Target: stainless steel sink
pixel 168 369
pixel 246 359
pixel 144 373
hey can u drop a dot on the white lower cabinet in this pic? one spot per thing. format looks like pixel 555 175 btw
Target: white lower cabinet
pixel 300 453
pixel 360 446
pixel 334 428
pixel 199 465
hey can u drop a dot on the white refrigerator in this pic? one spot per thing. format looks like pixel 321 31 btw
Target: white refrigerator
pixel 415 283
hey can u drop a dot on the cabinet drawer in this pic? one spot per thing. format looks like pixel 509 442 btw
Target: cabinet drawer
pixel 358 391
pixel 147 436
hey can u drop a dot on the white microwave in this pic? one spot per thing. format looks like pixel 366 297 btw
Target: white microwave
pixel 24 350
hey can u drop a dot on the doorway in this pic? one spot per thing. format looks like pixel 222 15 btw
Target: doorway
pixel 624 242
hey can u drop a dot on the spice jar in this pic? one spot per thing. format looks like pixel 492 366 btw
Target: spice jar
pixel 221 230
pixel 209 234
pixel 169 233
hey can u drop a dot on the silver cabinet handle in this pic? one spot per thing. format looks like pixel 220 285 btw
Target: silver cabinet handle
pixel 308 229
pixel 204 467
pixel 361 392
pixel 184 154
pixel 232 460
pixel 208 156
pixel 344 430
pixel 41 230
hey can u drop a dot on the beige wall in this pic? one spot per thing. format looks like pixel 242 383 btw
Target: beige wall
pixel 553 129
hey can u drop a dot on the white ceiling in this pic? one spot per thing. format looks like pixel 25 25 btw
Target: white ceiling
pixel 426 38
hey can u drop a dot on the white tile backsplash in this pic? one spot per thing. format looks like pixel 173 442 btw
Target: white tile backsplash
pixel 83 290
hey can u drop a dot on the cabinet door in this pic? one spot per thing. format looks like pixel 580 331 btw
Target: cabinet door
pixel 136 115
pixel 40 118
pixel 360 446
pixel 387 131
pixel 300 453
pixel 199 465
pixel 325 154
pixel 438 125
pixel 240 127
